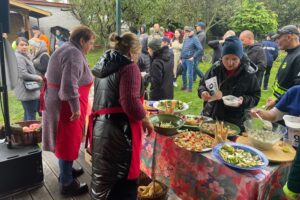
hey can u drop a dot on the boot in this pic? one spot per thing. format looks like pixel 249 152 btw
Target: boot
pixel 74 188
pixel 77 172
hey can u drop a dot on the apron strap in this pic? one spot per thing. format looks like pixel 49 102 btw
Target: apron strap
pixel 95 114
pixel 43 90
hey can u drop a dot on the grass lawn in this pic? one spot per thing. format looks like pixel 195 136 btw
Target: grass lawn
pixel 195 103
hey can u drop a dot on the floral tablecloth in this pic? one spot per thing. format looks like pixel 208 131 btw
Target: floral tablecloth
pixel 199 176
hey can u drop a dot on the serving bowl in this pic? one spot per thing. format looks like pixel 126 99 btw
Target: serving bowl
pixel 262 137
pixel 166 124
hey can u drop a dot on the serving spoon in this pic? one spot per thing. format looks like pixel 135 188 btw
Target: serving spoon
pixel 267 125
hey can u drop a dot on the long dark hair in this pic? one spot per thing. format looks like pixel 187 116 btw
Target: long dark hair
pixel 180 36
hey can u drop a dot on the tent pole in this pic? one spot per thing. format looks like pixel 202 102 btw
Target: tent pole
pixel 4 92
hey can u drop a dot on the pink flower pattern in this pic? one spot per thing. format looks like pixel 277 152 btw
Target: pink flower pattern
pixel 214 186
pixel 193 175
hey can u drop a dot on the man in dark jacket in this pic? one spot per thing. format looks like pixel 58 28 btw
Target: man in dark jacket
pixel 161 71
pixel 191 50
pixel 271 50
pixel 288 75
pixel 255 53
pixel 235 76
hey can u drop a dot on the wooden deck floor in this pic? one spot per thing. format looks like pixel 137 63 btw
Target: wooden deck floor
pixel 50 188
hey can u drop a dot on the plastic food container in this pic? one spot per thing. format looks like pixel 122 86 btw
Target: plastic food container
pixel 293 124
pixel 262 138
pixel 231 100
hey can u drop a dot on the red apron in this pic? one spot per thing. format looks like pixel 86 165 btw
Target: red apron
pixel 136 131
pixel 69 133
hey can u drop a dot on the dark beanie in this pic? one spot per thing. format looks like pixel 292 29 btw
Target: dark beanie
pixel 154 44
pixel 232 45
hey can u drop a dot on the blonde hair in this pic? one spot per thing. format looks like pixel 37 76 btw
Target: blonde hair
pixel 126 44
pixel 228 34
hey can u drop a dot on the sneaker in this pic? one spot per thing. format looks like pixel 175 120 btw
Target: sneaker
pixel 183 88
pixel 175 84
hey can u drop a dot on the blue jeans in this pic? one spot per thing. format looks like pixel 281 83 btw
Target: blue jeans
pixel 197 71
pixel 187 68
pixel 65 172
pixel 30 109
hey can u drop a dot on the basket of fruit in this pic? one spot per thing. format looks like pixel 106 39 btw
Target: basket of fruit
pixel 151 190
pixel 26 133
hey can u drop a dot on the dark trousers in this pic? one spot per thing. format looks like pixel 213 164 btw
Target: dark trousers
pixel 65 172
pixel 30 109
pixel 260 75
pixel 267 76
pixel 124 190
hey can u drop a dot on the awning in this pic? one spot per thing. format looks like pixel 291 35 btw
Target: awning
pixel 32 11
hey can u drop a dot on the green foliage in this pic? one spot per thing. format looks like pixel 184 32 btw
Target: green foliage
pixel 287 11
pixel 99 15
pixel 254 16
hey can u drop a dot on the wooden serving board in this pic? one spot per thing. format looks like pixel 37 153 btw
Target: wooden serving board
pixel 276 154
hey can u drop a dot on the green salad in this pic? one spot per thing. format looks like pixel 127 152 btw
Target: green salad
pixel 165 104
pixel 165 125
pixel 239 157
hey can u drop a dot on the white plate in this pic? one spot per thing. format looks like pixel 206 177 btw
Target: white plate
pixel 185 106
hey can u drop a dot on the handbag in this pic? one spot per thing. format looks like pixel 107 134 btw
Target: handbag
pixel 31 85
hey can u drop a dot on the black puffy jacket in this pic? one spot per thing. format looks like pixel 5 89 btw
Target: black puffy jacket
pixel 161 75
pixel 111 145
pixel 243 83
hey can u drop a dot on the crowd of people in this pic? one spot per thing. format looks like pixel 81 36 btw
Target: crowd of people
pixel 121 79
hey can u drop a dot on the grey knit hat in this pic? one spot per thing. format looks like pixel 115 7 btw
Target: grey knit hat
pixel 155 44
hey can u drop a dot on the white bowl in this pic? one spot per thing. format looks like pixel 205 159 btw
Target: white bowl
pixel 292 121
pixel 262 138
pixel 231 100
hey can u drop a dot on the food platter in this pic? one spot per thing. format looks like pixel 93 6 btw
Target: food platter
pixel 166 105
pixel 210 127
pixel 281 152
pixel 194 141
pixel 242 157
pixel 193 122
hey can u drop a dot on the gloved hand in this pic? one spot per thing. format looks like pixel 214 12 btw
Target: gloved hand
pixel 289 194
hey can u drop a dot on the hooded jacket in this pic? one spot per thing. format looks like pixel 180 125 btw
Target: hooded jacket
pixel 111 148
pixel 144 59
pixel 257 55
pixel 40 60
pixel 243 83
pixel 161 75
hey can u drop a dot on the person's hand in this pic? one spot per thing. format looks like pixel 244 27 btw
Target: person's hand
pixel 143 74
pixel 205 96
pixel 221 41
pixel 218 95
pixel 262 113
pixel 75 116
pixel 191 59
pixel 147 126
pixel 254 111
pixel 270 103
pixel 241 100
pixel 180 61
pixel 40 79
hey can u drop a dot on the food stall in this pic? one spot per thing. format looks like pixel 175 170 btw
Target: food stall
pixel 203 174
